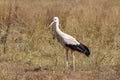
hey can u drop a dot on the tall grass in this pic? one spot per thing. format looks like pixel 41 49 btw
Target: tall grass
pixel 96 23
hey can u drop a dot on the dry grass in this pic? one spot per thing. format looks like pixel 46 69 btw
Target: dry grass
pixel 32 53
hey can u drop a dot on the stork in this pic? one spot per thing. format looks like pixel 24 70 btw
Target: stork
pixel 68 42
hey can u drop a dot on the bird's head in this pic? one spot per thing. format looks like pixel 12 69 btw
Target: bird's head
pixel 55 20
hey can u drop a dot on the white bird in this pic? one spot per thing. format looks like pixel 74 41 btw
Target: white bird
pixel 68 42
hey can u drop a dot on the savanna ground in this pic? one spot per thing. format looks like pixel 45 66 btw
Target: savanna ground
pixel 30 51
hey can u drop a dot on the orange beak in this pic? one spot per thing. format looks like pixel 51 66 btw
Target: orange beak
pixel 51 24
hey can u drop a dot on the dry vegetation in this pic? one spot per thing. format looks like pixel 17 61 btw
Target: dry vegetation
pixel 28 51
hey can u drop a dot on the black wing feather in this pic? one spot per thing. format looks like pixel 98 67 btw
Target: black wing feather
pixel 80 48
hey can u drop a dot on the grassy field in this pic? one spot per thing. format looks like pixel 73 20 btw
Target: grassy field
pixel 30 51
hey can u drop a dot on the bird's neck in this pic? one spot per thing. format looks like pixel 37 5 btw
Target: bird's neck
pixel 57 29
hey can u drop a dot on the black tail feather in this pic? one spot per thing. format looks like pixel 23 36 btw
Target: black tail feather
pixel 81 48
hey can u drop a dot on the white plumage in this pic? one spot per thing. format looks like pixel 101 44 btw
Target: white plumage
pixel 68 42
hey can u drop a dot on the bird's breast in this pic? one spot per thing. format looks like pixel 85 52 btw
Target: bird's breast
pixel 60 38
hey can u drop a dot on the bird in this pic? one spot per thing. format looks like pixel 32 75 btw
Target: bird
pixel 68 42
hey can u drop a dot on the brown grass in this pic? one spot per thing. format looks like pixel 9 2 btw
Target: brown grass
pixel 33 53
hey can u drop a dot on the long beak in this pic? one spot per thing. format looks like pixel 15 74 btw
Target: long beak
pixel 51 24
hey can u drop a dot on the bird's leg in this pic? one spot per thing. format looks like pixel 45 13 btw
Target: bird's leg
pixel 67 58
pixel 73 60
